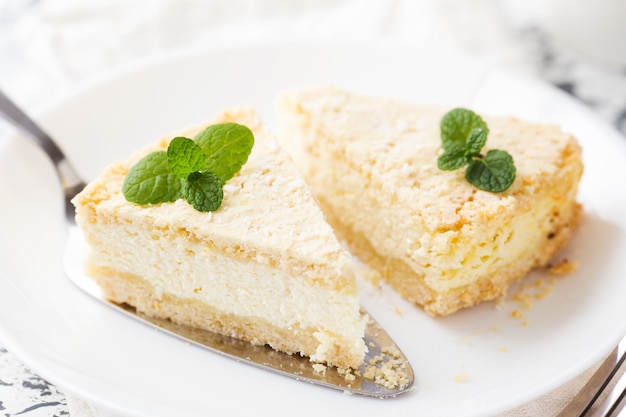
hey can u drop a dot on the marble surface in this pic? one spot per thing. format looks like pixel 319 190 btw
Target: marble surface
pixel 39 61
pixel 24 393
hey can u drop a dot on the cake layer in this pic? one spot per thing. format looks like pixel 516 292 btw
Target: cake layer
pixel 265 267
pixel 317 343
pixel 437 239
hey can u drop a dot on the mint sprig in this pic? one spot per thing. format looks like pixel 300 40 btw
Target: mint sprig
pixel 227 147
pixel 194 170
pixel 463 136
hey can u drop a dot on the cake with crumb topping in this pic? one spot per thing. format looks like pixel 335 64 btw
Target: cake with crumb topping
pixel 438 240
pixel 265 267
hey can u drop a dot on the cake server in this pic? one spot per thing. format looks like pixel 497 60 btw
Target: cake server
pixel 383 354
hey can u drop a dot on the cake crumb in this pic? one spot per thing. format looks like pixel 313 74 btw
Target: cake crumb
pixel 503 349
pixel 347 374
pixel 524 295
pixel 319 368
pixel 399 312
pixel 523 300
pixel 391 351
pixel 543 293
pixel 563 267
pixel 387 369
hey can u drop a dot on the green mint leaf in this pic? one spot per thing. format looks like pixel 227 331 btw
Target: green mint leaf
pixel 453 159
pixel 463 135
pixel 185 156
pixel 194 170
pixel 227 147
pixel 456 127
pixel 150 181
pixel 203 191
pixel 495 172
pixel 476 141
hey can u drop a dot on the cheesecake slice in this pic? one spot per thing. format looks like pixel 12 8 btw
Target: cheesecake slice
pixel 438 240
pixel 265 267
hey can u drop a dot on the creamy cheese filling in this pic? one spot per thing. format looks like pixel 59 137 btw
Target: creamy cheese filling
pixel 175 266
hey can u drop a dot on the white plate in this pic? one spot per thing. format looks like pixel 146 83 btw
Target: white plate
pixel 475 363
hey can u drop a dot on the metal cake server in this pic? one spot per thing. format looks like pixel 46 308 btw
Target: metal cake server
pixel 382 351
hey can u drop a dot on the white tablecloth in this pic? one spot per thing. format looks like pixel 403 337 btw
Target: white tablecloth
pixel 48 46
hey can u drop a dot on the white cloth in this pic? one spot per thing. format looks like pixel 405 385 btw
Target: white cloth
pixel 65 41
pixel 61 42
pixel 57 43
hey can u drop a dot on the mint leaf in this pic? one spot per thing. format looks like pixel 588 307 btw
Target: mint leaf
pixel 203 191
pixel 463 135
pixel 185 156
pixel 453 159
pixel 193 170
pixel 456 127
pixel 495 172
pixel 150 181
pixel 476 141
pixel 227 147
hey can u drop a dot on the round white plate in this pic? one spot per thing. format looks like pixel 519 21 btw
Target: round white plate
pixel 478 362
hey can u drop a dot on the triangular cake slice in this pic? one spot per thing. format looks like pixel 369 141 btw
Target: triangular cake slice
pixel 438 240
pixel 265 267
